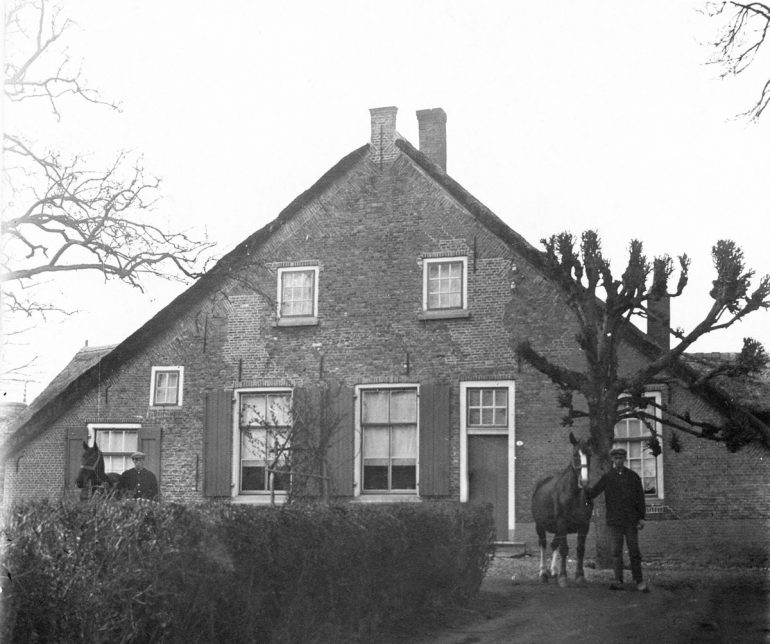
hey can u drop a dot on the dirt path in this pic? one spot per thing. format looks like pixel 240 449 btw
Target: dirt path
pixel 685 605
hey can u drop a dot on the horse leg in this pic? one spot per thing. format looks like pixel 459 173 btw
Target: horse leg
pixel 561 549
pixel 554 556
pixel 541 543
pixel 580 578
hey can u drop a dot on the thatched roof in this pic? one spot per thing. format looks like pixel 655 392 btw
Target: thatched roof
pixel 85 359
pixel 751 392
pixel 71 384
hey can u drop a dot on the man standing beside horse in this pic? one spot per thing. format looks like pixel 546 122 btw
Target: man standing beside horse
pixel 138 482
pixel 624 496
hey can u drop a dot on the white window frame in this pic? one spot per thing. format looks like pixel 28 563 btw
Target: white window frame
pixel 426 263
pixel 256 497
pixel 658 397
pixel 358 483
pixel 180 387
pixel 93 428
pixel 509 430
pixel 296 320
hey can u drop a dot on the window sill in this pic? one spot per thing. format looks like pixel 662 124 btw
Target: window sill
pixel 310 320
pixel 259 499
pixel 165 407
pixel 387 498
pixel 447 314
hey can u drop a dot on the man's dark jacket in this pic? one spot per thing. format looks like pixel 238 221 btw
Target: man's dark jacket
pixel 623 494
pixel 138 484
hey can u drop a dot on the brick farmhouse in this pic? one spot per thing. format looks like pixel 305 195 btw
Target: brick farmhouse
pixel 365 339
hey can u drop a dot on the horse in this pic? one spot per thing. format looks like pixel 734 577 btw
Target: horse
pixel 92 477
pixel 561 506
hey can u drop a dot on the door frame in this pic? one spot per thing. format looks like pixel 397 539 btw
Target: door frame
pixel 509 431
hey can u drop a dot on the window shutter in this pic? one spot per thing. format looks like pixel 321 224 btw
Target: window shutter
pixel 75 438
pixel 308 414
pixel 340 456
pixel 434 439
pixel 149 443
pixel 218 443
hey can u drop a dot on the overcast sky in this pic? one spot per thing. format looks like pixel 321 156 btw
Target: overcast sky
pixel 561 116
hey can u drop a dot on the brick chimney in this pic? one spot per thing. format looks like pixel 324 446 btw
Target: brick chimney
pixel 383 144
pixel 432 125
pixel 659 322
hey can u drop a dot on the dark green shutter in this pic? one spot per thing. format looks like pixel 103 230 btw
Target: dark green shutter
pixel 305 441
pixel 340 456
pixel 218 443
pixel 149 443
pixel 434 439
pixel 75 438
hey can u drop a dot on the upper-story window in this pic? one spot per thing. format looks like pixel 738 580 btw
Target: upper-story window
pixel 167 386
pixel 297 295
pixel 632 434
pixel 445 287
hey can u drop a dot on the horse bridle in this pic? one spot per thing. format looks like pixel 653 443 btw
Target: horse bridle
pixel 92 468
pixel 579 469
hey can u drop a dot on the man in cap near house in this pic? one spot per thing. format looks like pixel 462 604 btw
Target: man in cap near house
pixel 138 482
pixel 624 498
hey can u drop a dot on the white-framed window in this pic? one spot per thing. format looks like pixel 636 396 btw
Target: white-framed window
pixel 297 293
pixel 386 440
pixel 487 407
pixel 262 442
pixel 445 284
pixel 632 435
pixel 167 386
pixel 116 442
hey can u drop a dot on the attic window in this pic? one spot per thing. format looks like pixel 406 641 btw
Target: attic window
pixel 166 388
pixel 445 288
pixel 298 296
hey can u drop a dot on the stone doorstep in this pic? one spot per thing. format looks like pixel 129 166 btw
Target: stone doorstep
pixel 510 549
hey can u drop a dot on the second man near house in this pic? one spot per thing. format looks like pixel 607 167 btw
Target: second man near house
pixel 138 482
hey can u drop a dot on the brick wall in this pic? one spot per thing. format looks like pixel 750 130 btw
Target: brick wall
pixel 369 234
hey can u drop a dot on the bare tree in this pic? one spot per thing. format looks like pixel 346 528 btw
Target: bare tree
pixel 740 42
pixel 59 214
pixel 611 391
pixel 290 440
pixel 74 219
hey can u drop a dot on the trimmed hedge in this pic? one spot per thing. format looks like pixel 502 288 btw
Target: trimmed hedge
pixel 126 571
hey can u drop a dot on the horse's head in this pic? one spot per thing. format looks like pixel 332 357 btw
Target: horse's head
pixel 581 458
pixel 91 474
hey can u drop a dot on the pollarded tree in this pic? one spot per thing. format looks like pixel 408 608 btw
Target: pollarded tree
pixel 740 42
pixel 604 305
pixel 59 214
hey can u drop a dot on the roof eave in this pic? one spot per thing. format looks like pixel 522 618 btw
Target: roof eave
pixel 21 434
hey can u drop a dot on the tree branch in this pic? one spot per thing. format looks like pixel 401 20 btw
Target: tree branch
pixel 739 43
